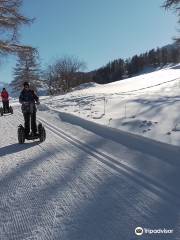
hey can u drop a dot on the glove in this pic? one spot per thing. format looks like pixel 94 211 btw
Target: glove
pixel 38 103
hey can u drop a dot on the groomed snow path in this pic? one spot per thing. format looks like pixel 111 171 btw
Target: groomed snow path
pixel 80 186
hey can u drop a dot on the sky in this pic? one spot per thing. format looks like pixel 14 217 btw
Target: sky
pixel 96 31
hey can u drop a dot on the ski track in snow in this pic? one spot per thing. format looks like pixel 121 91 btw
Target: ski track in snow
pixel 66 189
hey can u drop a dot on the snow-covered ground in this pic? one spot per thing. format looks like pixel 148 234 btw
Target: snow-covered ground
pixel 90 179
pixel 146 105
pixel 78 185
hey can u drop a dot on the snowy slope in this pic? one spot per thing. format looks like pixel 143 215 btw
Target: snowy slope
pixel 146 105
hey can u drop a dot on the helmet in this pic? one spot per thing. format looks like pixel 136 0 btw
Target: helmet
pixel 26 84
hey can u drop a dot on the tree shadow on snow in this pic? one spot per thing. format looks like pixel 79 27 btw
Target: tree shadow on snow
pixel 107 208
pixel 15 147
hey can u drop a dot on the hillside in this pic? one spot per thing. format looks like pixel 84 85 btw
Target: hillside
pixel 147 105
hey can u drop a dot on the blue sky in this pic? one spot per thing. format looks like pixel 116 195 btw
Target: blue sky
pixel 96 31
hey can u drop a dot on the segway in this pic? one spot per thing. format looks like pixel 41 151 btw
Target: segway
pixel 1 111
pixel 41 135
pixel 10 110
pixel 6 110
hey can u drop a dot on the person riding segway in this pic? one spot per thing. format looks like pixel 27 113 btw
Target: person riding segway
pixel 5 100
pixel 28 98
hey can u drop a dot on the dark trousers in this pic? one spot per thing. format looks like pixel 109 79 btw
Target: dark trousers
pixel 30 119
pixel 5 106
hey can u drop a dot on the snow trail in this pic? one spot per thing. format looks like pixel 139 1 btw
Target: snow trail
pixel 66 188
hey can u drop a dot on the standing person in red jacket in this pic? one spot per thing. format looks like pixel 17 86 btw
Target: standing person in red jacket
pixel 5 100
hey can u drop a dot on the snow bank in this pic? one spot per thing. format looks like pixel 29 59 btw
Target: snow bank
pixel 130 140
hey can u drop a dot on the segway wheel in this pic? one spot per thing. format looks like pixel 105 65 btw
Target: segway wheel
pixel 1 111
pixel 42 133
pixel 11 110
pixel 21 134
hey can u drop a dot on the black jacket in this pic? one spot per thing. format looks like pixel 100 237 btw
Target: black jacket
pixel 28 96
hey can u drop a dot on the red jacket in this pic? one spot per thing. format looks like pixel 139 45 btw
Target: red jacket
pixel 4 96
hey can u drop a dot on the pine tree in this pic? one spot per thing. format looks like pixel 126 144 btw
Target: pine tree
pixel 27 69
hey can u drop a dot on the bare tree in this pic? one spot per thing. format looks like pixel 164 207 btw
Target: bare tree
pixel 51 79
pixel 64 74
pixel 10 21
pixel 66 68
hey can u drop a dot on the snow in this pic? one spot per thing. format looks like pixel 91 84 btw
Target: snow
pixel 83 185
pixel 146 105
pixel 100 173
